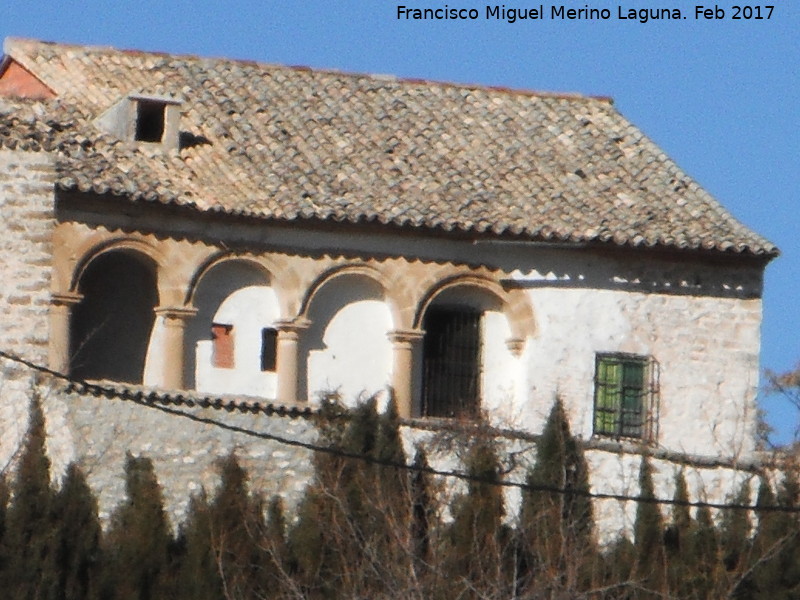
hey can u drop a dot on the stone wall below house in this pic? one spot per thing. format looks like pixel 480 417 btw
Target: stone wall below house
pixel 185 443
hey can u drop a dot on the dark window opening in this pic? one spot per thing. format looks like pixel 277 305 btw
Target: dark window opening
pixel 624 397
pixel 222 346
pixel 150 117
pixel 111 326
pixel 269 349
pixel 451 363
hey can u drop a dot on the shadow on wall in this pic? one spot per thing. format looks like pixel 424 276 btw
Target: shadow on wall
pixel 346 349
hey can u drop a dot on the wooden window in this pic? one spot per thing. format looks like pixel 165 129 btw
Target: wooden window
pixel 269 349
pixel 451 362
pixel 625 396
pixel 222 340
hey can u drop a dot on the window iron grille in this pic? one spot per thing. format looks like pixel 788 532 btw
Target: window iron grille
pixel 626 398
pixel 451 362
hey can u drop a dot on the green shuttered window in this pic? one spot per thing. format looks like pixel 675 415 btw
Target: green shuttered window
pixel 624 399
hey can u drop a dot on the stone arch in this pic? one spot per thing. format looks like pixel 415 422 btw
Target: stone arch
pixel 95 250
pixel 474 331
pixel 269 269
pixel 235 299
pixel 514 303
pixel 346 271
pixel 346 347
pixel 111 326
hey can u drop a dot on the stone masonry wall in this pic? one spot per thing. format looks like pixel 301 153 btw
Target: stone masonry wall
pixel 99 431
pixel 26 251
pixel 26 226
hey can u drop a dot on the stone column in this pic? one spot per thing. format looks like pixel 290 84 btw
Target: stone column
pixel 60 317
pixel 288 359
pixel 174 340
pixel 403 342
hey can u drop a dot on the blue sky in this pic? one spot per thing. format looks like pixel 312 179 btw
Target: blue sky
pixel 721 97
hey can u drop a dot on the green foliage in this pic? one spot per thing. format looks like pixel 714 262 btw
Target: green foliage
pixel 352 533
pixel 735 533
pixel 29 548
pixel 237 526
pixel 648 538
pixel 198 574
pixel 477 541
pixel 704 563
pixel 557 540
pixel 138 541
pixel 423 514
pixel 370 529
pixel 78 550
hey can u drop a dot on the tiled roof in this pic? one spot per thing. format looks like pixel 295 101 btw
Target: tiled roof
pixel 290 143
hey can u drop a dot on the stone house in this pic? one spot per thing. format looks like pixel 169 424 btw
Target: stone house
pixel 214 228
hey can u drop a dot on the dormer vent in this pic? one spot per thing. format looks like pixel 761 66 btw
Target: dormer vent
pixel 150 119
pixel 153 121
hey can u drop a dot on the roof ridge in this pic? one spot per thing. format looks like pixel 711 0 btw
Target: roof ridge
pixel 11 41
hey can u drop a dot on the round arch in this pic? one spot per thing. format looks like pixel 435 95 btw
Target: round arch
pixel 215 260
pixel 343 271
pixel 88 255
pixel 474 330
pixel 514 304
pixel 346 348
pixel 111 326
pixel 227 339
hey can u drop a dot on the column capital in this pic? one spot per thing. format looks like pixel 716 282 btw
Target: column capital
pixel 291 326
pixel 515 346
pixel 176 313
pixel 405 336
pixel 65 298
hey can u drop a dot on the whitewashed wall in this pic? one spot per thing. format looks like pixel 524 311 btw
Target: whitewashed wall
pixel 347 350
pixel 248 310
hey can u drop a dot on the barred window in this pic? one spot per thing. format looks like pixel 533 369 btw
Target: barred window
pixel 625 396
pixel 451 362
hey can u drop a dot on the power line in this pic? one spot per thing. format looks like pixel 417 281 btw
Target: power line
pixel 154 401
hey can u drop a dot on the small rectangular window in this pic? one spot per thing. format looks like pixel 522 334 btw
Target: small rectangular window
pixel 150 117
pixel 625 396
pixel 222 349
pixel 269 349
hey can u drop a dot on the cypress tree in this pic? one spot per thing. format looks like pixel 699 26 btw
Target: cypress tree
pixel 78 551
pixel 198 573
pixel 619 560
pixel 557 541
pixel 31 532
pixel 677 542
pixel 392 482
pixel 5 495
pixel 275 544
pixel 704 557
pixel 789 523
pixel 422 514
pixel 735 533
pixel 648 532
pixel 388 537
pixel 764 579
pixel 332 542
pixel 237 528
pixel 138 540
pixel 478 542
